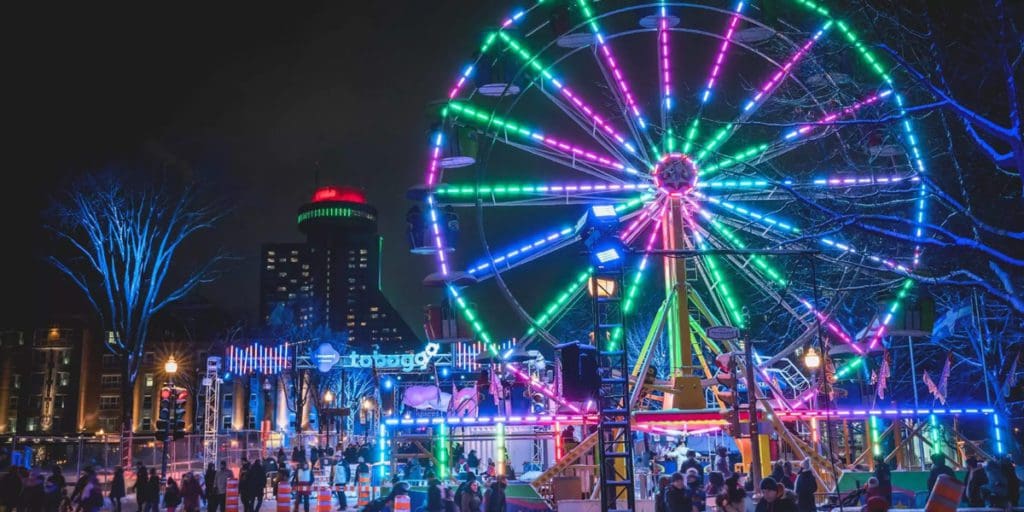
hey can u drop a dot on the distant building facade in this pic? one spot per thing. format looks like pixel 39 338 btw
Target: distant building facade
pixel 333 279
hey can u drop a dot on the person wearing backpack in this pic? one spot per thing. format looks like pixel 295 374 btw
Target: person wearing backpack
pixel 172 495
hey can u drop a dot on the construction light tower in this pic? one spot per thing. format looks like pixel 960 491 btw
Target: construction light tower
pixel 211 409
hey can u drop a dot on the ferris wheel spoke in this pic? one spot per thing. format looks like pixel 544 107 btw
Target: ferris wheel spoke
pixel 665 78
pixel 771 277
pixel 584 109
pixel 525 252
pixel 833 243
pixel 768 88
pixel 617 81
pixel 473 319
pixel 536 194
pixel 633 286
pixel 507 128
pixel 793 138
pixel 764 91
pixel 719 62
pixel 557 307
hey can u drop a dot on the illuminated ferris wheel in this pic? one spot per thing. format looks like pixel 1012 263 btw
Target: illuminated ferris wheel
pixel 687 140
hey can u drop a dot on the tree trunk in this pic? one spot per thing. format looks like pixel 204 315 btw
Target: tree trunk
pixel 127 406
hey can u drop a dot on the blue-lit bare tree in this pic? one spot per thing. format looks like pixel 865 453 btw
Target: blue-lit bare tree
pixel 119 237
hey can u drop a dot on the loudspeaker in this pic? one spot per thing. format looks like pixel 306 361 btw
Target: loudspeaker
pixel 580 379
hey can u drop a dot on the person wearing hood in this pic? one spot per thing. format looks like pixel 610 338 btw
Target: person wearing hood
pixel 939 467
pixel 676 498
pixel 975 479
pixel 659 499
pixel 775 497
pixel 734 498
pixel 780 476
pixel 495 499
pixel 806 486
pixel 694 489
pixel 691 462
pixel 996 491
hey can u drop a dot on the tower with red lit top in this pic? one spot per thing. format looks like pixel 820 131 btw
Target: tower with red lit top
pixel 333 278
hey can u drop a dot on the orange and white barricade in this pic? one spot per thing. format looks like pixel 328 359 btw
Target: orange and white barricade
pixel 231 498
pixel 364 489
pixel 284 496
pixel 402 503
pixel 323 499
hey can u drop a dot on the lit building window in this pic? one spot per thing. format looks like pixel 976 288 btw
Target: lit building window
pixel 149 380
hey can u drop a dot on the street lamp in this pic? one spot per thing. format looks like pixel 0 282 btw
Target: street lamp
pixel 601 287
pixel 171 367
pixel 328 397
pixel 812 360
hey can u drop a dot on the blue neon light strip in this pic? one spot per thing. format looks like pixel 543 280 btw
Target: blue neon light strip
pixel 523 250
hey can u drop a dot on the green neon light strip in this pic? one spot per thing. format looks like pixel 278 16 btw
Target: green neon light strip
pixel 633 203
pixel 648 345
pixel 333 212
pixel 720 283
pixel 760 262
pixel 729 161
pixel 716 140
pixel 556 305
pixel 875 449
pixel 463 190
pixel 473 320
pixel 691 135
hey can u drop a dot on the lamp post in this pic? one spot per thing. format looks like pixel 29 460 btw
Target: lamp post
pixel 170 368
pixel 325 422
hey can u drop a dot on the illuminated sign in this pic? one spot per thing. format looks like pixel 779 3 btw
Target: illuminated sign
pixel 404 362
pixel 325 357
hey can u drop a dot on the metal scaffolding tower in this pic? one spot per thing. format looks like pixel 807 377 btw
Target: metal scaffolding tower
pixel 211 409
pixel 614 434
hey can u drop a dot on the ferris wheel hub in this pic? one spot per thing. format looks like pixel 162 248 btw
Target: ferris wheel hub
pixel 675 174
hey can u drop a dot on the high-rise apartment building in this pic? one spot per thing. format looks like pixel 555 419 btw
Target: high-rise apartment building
pixel 333 279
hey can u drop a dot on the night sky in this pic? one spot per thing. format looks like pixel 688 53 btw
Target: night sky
pixel 258 98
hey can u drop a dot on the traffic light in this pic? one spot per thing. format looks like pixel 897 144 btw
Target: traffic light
pixel 179 413
pixel 164 415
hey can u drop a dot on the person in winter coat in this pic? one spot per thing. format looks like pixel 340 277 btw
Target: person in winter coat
pixel 91 499
pixel 220 483
pixel 496 496
pixel 340 477
pixel 1012 482
pixel 190 492
pixel 172 495
pixel 676 497
pixel 691 462
pixel 780 476
pixel 884 475
pixel 33 497
pixel 722 461
pixel 210 484
pixel 775 497
pixel 806 486
pixel 715 485
pixel 734 499
pixel 996 491
pixel 472 499
pixel 976 479
pixel 257 483
pixel 434 496
pixel 51 494
pixel 694 489
pixel 659 499
pixel 872 489
pixel 939 467
pixel 10 489
pixel 117 490
pixel 141 482
pixel 153 491
pixel 302 483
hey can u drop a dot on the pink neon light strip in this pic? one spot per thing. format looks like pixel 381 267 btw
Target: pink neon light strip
pixel 666 67
pixel 620 80
pixel 586 109
pixel 720 59
pixel 777 77
pixel 627 234
pixel 828 119
pixel 547 391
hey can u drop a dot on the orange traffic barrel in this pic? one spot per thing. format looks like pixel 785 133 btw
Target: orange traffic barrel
pixel 402 503
pixel 945 495
pixel 284 496
pixel 231 499
pixel 323 499
pixel 364 491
